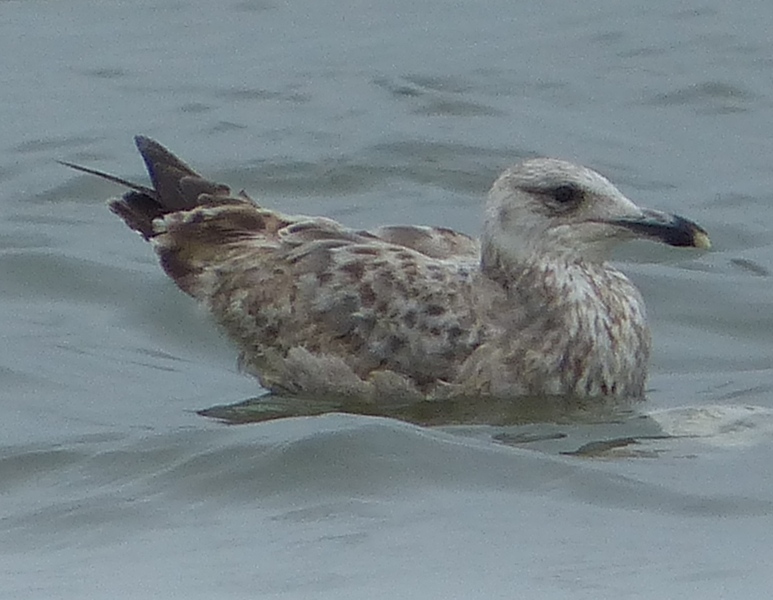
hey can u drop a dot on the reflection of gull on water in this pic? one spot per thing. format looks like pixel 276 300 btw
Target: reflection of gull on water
pixel 412 312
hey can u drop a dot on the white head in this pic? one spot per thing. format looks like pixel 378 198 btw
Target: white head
pixel 545 207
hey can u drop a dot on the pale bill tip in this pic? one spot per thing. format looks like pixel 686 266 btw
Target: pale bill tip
pixel 701 240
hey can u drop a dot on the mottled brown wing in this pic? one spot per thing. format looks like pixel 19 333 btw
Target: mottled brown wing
pixel 396 300
pixel 435 242
pixel 276 283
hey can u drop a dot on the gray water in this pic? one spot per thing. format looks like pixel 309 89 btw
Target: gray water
pixel 403 112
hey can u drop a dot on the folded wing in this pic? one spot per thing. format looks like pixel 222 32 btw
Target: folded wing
pixel 397 299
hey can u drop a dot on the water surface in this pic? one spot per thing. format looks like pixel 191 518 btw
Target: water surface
pixel 371 113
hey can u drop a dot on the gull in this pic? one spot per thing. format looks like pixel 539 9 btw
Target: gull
pixel 400 313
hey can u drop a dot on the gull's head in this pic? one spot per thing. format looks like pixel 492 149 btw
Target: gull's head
pixel 544 206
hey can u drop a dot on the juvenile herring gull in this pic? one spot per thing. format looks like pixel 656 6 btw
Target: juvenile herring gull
pixel 408 312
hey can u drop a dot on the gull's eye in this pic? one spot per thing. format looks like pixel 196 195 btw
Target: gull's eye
pixel 567 194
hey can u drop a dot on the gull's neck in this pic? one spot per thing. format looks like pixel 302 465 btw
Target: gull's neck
pixel 508 268
pixel 572 312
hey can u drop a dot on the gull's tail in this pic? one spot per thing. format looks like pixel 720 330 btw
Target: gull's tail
pixel 176 187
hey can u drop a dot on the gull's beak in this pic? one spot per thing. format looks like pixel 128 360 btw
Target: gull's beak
pixel 669 229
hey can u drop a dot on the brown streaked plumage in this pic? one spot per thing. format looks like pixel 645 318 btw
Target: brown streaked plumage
pixel 404 312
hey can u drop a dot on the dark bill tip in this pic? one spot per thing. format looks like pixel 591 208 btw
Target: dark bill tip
pixel 669 229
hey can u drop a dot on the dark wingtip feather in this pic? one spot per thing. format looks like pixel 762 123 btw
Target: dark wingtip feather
pixel 134 186
pixel 176 187
pixel 138 211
